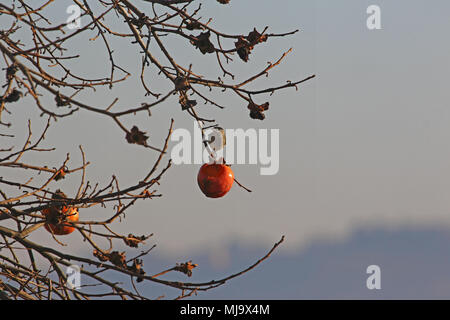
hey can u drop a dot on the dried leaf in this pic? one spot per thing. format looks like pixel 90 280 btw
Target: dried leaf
pixel 14 96
pixel 257 111
pixel 203 43
pixel 133 241
pixel 146 193
pixel 185 268
pixel 254 37
pixel 193 25
pixel 59 195
pixel 181 83
pixel 243 48
pixel 185 102
pixel 137 268
pixel 60 175
pixel 11 71
pixel 100 256
pixel 118 259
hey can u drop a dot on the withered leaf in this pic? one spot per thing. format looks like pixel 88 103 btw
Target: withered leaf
pixel 100 256
pixel 185 268
pixel 243 48
pixel 255 37
pixel 14 96
pixel 138 22
pixel 185 102
pixel 193 25
pixel 133 241
pixel 56 216
pixel 137 268
pixel 257 111
pixel 181 83
pixel 118 258
pixel 60 102
pixel 11 71
pixel 146 193
pixel 203 43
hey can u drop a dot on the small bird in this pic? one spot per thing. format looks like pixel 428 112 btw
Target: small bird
pixel 218 139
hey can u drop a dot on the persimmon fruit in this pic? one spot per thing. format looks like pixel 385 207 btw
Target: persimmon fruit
pixel 215 180
pixel 56 220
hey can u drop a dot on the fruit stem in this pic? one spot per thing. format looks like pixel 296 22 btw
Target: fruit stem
pixel 240 185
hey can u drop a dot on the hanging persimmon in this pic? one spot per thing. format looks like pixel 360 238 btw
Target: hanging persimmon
pixel 58 217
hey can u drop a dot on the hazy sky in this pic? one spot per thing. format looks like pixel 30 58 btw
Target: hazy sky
pixel 362 146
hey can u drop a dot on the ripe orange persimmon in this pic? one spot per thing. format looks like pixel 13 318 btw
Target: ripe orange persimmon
pixel 215 180
pixel 56 220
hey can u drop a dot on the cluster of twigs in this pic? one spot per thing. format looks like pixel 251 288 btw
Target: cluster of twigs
pixel 40 68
